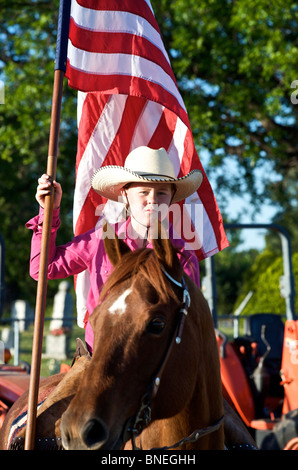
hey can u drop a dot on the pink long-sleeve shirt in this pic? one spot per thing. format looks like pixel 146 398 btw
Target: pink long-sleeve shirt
pixel 87 251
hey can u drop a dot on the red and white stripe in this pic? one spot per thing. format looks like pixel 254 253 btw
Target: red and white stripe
pixel 128 97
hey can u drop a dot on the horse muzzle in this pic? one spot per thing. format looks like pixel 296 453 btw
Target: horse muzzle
pixel 93 434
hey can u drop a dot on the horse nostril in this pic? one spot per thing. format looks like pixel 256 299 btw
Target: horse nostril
pixel 95 433
pixel 65 439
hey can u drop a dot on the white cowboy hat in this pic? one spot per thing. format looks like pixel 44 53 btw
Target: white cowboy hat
pixel 144 165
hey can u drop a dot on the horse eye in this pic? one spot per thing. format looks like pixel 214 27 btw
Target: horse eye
pixel 156 326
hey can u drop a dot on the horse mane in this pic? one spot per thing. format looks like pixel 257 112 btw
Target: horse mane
pixel 141 261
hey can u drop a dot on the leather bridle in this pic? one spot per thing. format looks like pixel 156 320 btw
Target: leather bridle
pixel 142 419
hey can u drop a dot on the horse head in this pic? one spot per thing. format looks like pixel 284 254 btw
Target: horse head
pixel 139 381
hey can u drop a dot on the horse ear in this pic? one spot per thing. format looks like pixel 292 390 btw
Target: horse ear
pixel 164 250
pixel 115 248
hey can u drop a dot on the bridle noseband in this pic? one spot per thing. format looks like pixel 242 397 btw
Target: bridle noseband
pixel 142 419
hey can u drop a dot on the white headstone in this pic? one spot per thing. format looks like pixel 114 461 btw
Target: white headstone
pixel 7 336
pixel 57 346
pixel 57 342
pixel 62 308
pixel 22 312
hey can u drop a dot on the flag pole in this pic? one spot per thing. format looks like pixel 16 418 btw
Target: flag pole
pixel 60 68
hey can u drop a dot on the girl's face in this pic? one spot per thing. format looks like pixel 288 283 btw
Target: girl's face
pixel 149 200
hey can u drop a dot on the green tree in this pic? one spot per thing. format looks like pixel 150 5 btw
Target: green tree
pixel 230 268
pixel 28 37
pixel 263 279
pixel 235 62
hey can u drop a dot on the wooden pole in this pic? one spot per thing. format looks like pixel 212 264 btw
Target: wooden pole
pixel 60 67
pixel 43 266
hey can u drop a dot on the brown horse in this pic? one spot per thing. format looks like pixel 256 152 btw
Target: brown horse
pixel 154 376
pixel 142 389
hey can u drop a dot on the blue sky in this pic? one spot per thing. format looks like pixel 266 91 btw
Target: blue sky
pixel 239 208
pixel 252 238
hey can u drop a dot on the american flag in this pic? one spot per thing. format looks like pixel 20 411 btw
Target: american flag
pixel 128 96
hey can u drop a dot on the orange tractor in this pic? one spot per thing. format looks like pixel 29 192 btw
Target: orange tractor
pixel 259 369
pixel 14 379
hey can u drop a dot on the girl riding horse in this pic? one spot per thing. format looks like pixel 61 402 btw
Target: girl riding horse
pixel 146 183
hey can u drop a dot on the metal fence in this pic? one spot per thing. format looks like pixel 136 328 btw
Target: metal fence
pixel 14 325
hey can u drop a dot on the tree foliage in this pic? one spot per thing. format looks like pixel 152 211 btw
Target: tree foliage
pixel 27 37
pixel 263 279
pixel 234 62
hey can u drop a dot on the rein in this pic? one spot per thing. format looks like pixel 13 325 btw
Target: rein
pixel 142 419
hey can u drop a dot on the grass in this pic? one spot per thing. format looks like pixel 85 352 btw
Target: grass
pixel 48 366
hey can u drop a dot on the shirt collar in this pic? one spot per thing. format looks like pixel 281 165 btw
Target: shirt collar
pixel 123 229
